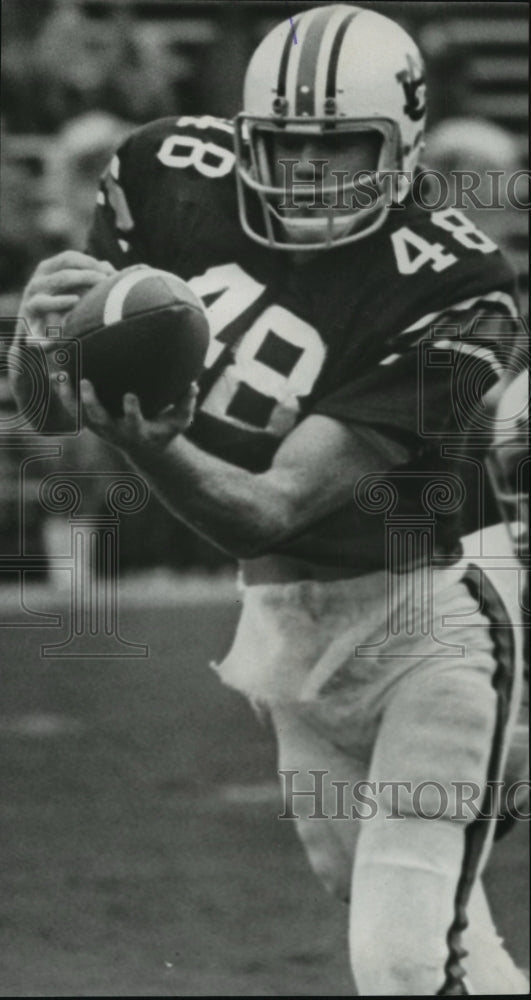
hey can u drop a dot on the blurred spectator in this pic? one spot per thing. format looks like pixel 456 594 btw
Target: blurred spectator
pixel 472 144
pixel 81 151
pixel 22 242
pixel 76 64
pixel 49 187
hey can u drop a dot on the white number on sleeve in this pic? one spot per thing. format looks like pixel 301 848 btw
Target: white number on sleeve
pixel 186 151
pixel 413 251
pixel 463 230
pixel 206 121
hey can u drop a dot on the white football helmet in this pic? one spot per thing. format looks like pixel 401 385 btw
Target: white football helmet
pixel 330 70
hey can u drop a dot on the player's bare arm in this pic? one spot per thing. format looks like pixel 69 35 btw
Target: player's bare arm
pixel 313 473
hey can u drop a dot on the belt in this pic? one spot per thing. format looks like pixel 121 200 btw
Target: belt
pixel 286 569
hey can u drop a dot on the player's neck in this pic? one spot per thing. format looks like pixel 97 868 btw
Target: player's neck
pixel 301 257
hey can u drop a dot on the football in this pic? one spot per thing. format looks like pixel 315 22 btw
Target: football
pixel 142 330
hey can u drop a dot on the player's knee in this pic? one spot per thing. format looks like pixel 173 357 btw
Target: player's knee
pixel 408 921
pixel 405 961
pixel 327 857
pixel 404 884
pixel 396 976
pixel 336 882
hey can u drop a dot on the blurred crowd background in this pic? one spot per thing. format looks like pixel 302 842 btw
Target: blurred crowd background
pixel 78 75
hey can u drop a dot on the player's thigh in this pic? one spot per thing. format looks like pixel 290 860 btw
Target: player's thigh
pixel 436 738
pixel 318 779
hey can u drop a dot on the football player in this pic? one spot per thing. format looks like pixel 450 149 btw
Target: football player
pixel 352 335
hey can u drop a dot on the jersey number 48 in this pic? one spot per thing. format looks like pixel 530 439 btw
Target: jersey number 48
pixel 275 360
pixel 412 251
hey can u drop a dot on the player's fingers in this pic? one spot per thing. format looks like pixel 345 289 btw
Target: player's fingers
pixel 133 416
pixel 73 259
pixel 67 280
pixel 65 392
pixel 42 304
pixel 179 412
pixel 53 321
pixel 189 397
pixel 170 425
pixel 93 411
pixel 39 313
pixel 185 408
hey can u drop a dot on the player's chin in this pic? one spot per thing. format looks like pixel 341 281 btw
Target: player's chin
pixel 307 226
pixel 317 210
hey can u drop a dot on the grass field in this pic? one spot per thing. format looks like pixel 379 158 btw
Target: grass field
pixel 142 854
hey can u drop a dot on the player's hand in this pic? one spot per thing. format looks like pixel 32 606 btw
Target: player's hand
pixel 132 433
pixel 53 290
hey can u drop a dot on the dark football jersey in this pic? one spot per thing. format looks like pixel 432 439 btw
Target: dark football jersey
pixel 401 331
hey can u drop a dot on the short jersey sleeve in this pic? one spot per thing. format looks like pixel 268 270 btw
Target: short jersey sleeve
pixel 433 324
pixel 167 197
pixel 435 373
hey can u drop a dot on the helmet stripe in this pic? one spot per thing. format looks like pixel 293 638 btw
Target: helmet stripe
pixel 284 59
pixel 331 78
pixel 305 88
